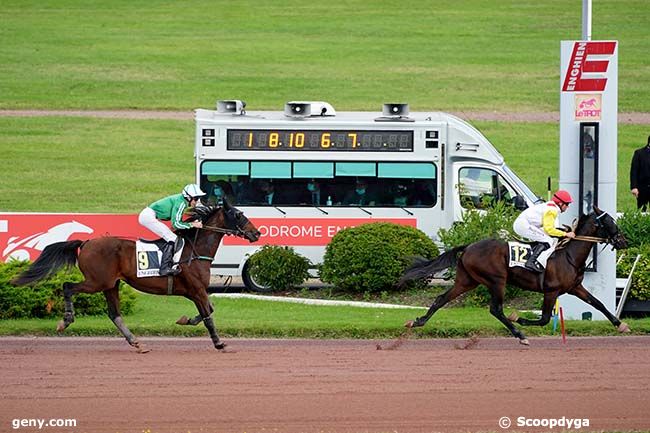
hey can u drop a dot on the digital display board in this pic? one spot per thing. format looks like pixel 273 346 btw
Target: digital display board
pixel 320 140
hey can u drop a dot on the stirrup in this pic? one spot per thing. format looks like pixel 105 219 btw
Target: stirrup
pixel 170 272
pixel 534 266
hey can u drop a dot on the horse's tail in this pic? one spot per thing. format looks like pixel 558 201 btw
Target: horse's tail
pixel 54 257
pixel 422 268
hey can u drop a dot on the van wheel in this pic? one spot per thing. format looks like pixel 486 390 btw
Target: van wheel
pixel 250 282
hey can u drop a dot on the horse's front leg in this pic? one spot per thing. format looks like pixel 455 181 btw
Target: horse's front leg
pixel 582 293
pixel 205 312
pixel 547 310
pixel 213 333
pixel 184 320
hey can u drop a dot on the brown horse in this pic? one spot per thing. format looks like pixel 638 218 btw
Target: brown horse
pixel 105 261
pixel 486 262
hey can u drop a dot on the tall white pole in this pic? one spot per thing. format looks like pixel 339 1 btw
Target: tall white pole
pixel 586 20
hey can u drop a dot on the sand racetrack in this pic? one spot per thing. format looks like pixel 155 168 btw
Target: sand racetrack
pixel 183 385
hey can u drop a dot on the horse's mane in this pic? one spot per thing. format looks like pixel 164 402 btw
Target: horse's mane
pixel 584 220
pixel 202 213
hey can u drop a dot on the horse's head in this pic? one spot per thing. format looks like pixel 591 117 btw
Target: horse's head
pixel 226 219
pixel 606 228
pixel 237 221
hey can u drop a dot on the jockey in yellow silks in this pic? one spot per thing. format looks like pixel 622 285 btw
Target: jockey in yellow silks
pixel 538 223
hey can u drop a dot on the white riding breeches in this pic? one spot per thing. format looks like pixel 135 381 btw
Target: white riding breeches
pixel 536 234
pixel 147 218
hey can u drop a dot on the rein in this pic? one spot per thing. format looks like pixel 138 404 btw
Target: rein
pixel 222 230
pixel 195 256
pixel 591 239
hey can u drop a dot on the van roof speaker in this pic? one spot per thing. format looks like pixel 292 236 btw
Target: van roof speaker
pixel 396 110
pixel 232 106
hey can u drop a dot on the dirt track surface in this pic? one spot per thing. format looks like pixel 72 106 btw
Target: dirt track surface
pixel 183 385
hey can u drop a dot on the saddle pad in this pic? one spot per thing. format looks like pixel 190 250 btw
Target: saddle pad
pixel 518 253
pixel 147 259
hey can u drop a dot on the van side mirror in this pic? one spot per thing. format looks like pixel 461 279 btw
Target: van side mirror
pixel 519 203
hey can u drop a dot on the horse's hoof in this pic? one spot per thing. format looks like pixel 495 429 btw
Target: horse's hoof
pixel 513 317
pixel 140 348
pixel 623 328
pixel 524 341
pixel 60 327
pixel 184 320
pixel 409 324
pixel 220 346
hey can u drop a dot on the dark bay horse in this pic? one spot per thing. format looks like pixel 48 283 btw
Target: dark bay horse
pixel 486 262
pixel 105 261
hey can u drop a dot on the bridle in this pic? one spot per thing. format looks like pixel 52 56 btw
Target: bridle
pixel 595 239
pixel 610 240
pixel 237 231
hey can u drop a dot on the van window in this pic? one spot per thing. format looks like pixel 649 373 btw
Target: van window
pixel 481 188
pixel 342 184
pixel 313 169
pixel 270 169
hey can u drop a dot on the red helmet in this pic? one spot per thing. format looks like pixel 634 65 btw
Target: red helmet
pixel 562 197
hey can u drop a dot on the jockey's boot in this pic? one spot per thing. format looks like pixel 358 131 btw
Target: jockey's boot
pixel 167 260
pixel 532 263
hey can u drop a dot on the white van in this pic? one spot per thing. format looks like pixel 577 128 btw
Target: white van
pixel 304 173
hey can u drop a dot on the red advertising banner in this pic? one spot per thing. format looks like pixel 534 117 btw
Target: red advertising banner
pixel 307 231
pixel 24 235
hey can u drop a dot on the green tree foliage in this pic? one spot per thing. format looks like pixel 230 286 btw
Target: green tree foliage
pixel 372 257
pixel 45 298
pixel 279 268
pixel 496 222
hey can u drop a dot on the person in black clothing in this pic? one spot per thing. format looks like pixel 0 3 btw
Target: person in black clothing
pixel 640 176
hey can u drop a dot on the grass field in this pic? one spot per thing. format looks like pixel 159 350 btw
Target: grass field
pixel 114 165
pixel 155 315
pixel 445 55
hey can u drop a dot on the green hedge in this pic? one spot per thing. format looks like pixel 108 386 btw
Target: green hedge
pixel 640 288
pixel 45 298
pixel 372 257
pixel 279 268
pixel 636 227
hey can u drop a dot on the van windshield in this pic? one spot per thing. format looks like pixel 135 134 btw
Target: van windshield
pixel 528 193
